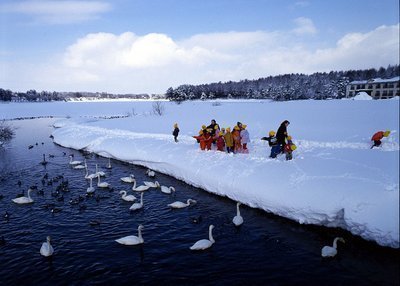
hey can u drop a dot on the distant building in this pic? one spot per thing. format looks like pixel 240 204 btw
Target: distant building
pixel 377 88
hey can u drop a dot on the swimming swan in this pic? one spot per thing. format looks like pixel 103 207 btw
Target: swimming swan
pixel 24 200
pixel 140 188
pixel 331 251
pixel 127 198
pixel 99 173
pixel 87 175
pixel 179 205
pixel 129 179
pixel 237 219
pixel 132 239
pixel 102 184
pixel 204 243
pixel 150 173
pixel 137 206
pixel 47 249
pixel 74 162
pixel 167 190
pixel 155 184
pixel 109 164
pixel 91 189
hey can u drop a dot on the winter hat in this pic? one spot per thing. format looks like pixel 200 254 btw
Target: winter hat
pixel 293 147
pixel 236 127
pixel 244 126
pixel 176 125
pixel 386 133
pixel 203 127
pixel 216 127
pixel 271 133
pixel 289 137
pixel 228 129
pixel 220 133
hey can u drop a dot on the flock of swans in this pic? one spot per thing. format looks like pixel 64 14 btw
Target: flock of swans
pixel 48 250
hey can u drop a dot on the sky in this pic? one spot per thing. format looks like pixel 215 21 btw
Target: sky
pixel 147 46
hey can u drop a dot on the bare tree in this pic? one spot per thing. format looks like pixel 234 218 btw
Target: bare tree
pixel 158 108
pixel 7 132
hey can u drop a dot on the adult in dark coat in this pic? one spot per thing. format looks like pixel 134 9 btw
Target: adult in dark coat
pixel 281 134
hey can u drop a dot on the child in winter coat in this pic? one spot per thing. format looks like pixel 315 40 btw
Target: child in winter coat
pixel 220 142
pixel 175 132
pixel 273 143
pixel 244 138
pixel 205 139
pixel 228 140
pixel 289 148
pixel 377 137
pixel 237 146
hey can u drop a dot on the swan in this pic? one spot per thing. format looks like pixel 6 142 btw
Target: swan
pixel 167 190
pixel 128 198
pixel 132 239
pixel 109 164
pixel 24 200
pixel 100 173
pixel 137 206
pixel 129 179
pixel 150 173
pixel 102 184
pixel 91 189
pixel 179 205
pixel 204 243
pixel 140 188
pixel 331 251
pixel 237 219
pixel 78 167
pixel 155 184
pixel 87 175
pixel 74 162
pixel 47 249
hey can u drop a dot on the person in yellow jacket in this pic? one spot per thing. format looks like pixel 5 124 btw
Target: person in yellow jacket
pixel 237 145
pixel 228 140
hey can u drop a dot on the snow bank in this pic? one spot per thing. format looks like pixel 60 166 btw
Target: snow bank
pixel 362 96
pixel 334 180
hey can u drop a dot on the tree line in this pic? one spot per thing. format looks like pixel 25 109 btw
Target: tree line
pixel 320 85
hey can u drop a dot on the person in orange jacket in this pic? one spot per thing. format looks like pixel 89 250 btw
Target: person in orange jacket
pixel 205 139
pixel 228 140
pixel 377 137
pixel 237 145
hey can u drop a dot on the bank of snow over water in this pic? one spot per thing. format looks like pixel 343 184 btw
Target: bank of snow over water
pixel 334 180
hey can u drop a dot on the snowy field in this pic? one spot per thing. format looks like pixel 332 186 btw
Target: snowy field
pixel 334 179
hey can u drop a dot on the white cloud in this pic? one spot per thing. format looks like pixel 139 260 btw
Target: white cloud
pixel 304 26
pixel 129 63
pixel 58 12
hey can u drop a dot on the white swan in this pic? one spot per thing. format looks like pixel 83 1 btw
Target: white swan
pixel 331 251
pixel 140 188
pixel 179 205
pixel 90 189
pixel 74 162
pixel 99 173
pixel 132 239
pixel 137 206
pixel 109 164
pixel 47 249
pixel 102 184
pixel 155 184
pixel 127 198
pixel 129 179
pixel 204 243
pixel 167 190
pixel 78 167
pixel 150 173
pixel 237 219
pixel 24 200
pixel 87 175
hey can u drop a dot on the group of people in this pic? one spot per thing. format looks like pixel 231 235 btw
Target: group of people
pixel 224 139
pixel 236 141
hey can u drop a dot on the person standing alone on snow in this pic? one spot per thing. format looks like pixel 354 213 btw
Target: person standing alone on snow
pixel 281 134
pixel 377 137
pixel 175 132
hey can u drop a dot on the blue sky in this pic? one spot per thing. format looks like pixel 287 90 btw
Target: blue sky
pixel 132 46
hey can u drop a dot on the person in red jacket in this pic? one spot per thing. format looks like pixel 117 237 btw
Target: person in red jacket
pixel 377 137
pixel 220 141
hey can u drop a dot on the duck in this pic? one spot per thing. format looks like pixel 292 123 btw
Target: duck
pixel 24 200
pixel 331 251
pixel 180 205
pixel 127 198
pixel 47 249
pixel 137 206
pixel 237 219
pixel 6 216
pixel 132 239
pixel 155 184
pixel 140 188
pixel 71 162
pixel 150 173
pixel 129 179
pixel 90 189
pixel 167 190
pixel 109 164
pixel 102 184
pixel 204 243
pixel 99 173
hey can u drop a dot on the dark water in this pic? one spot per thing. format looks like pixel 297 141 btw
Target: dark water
pixel 265 250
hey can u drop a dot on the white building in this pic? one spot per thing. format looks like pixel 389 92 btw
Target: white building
pixel 377 88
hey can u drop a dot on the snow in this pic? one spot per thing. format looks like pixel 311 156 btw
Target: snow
pixel 362 96
pixel 334 179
